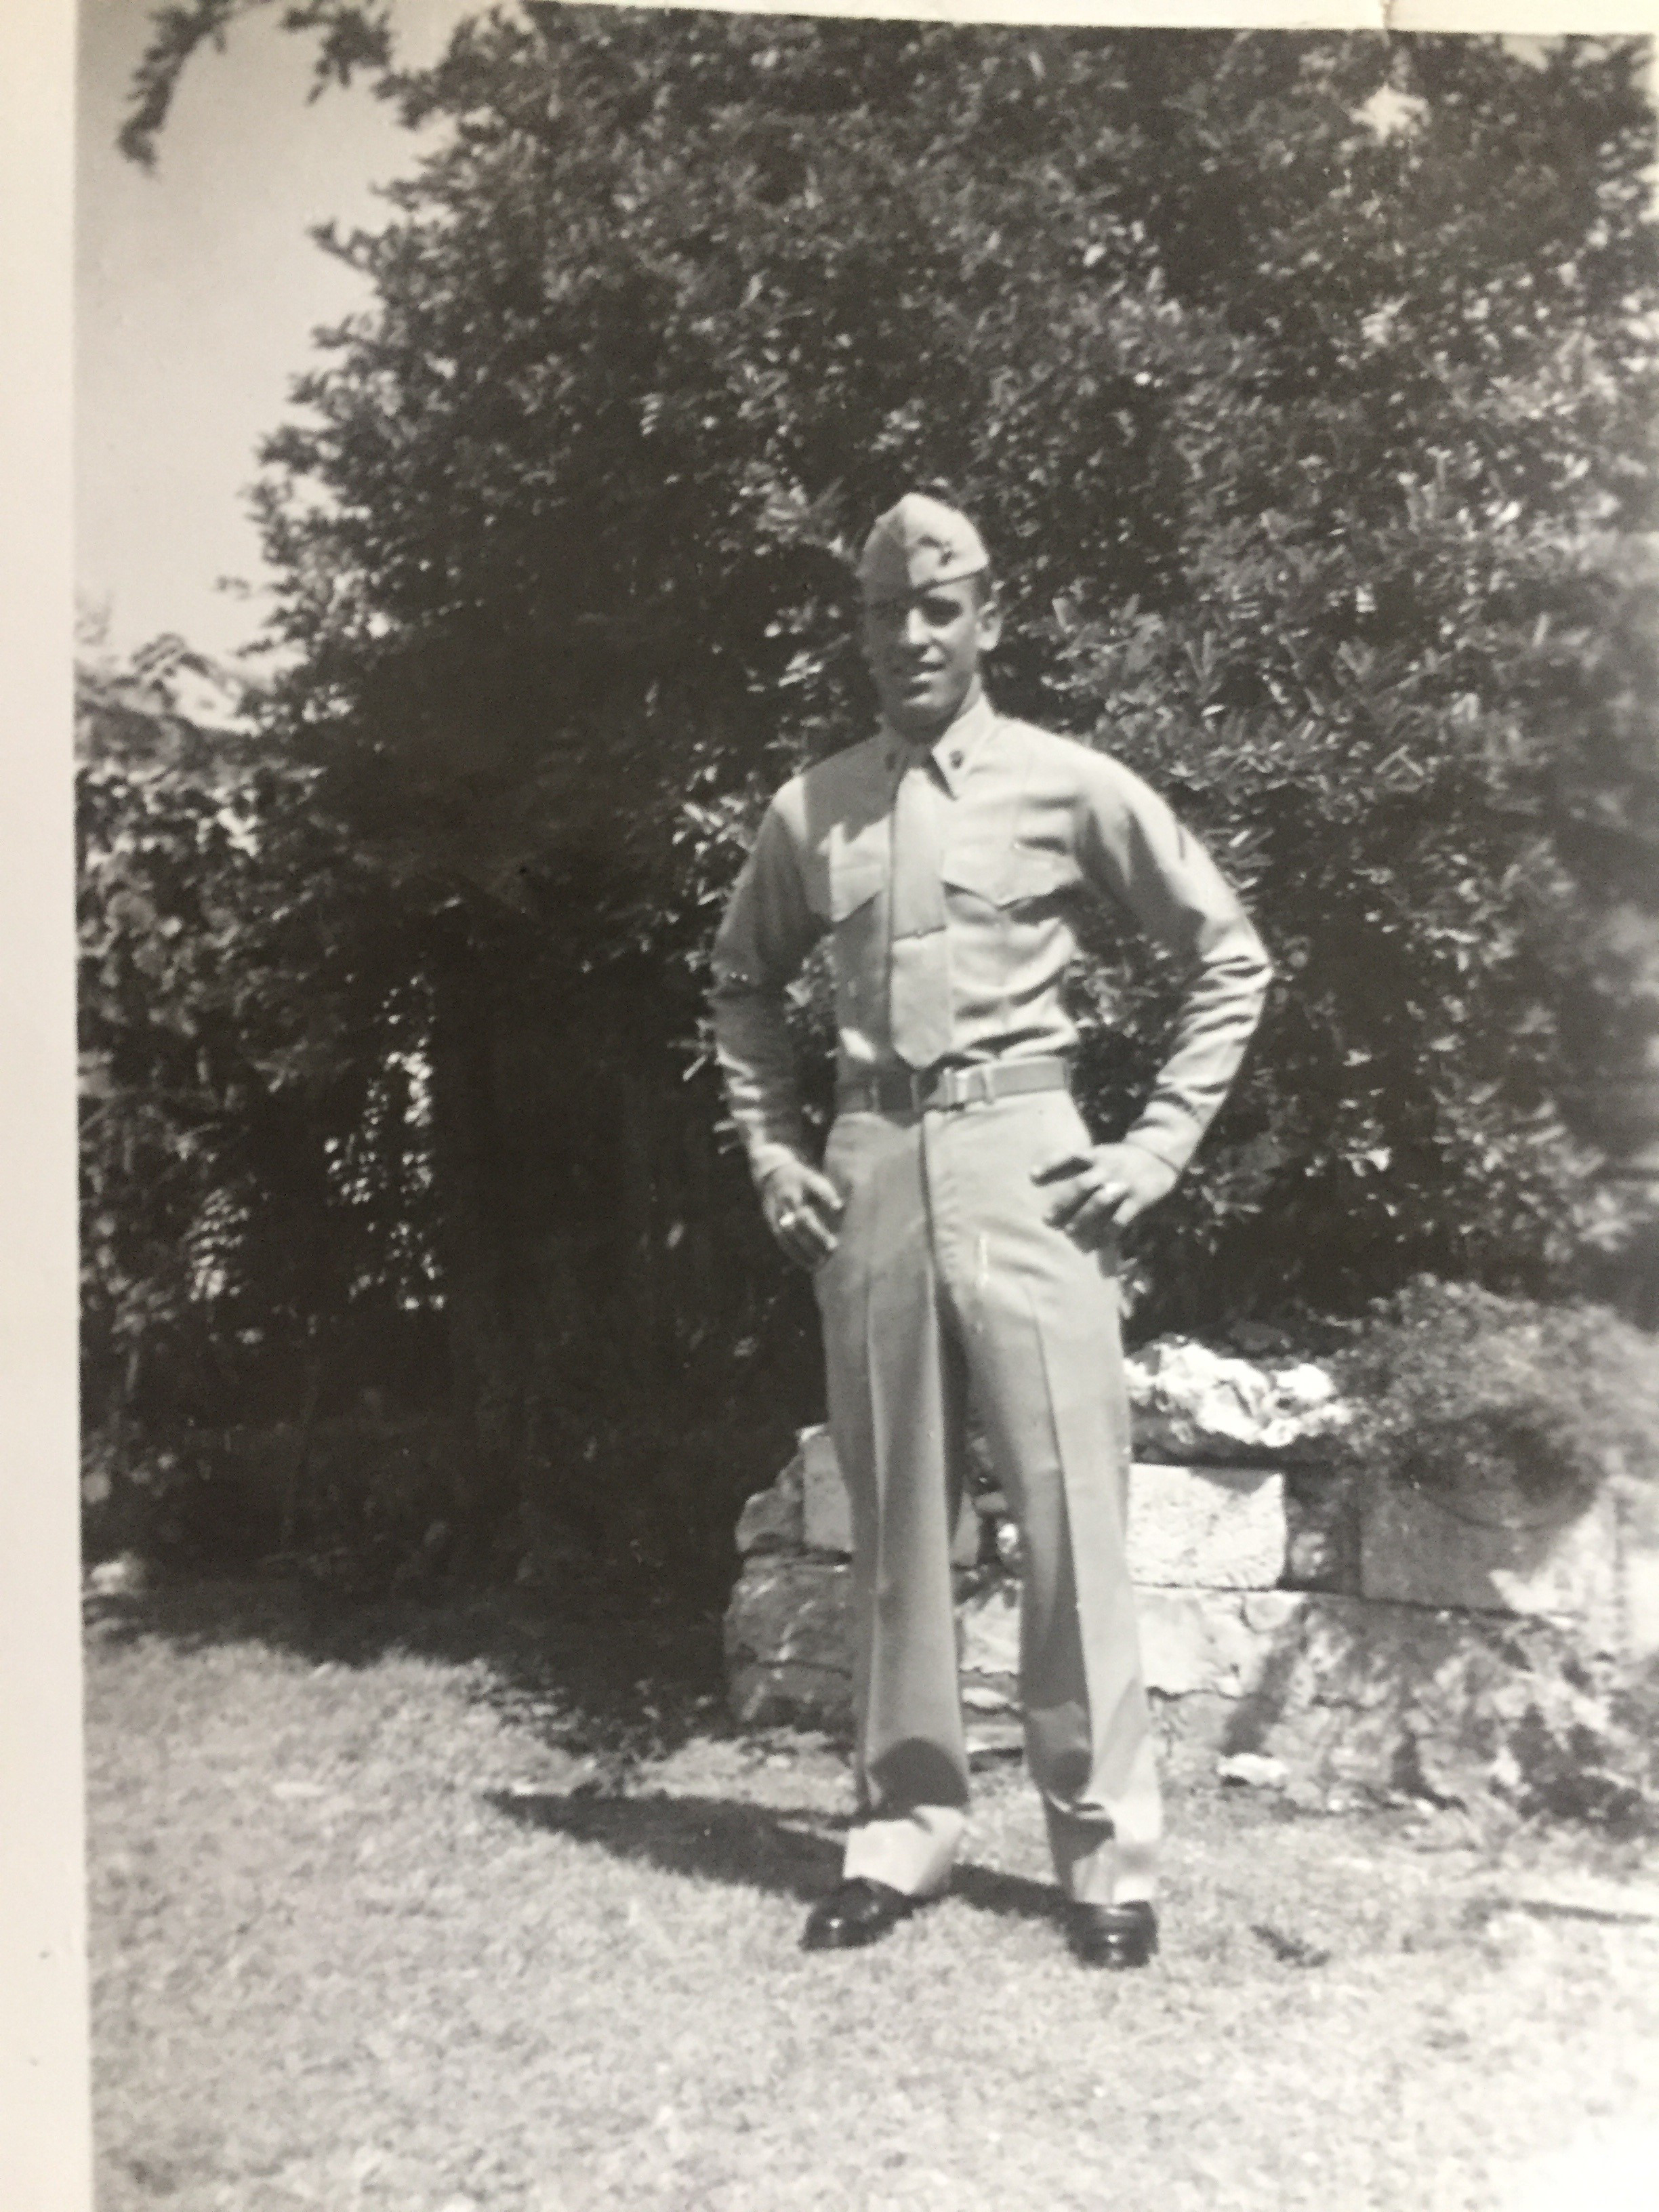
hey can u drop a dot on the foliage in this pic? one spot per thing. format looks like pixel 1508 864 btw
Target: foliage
pixel 1318 482
pixel 350 38
pixel 1301 385
pixel 1457 1389
pixel 294 1204
pixel 253 1189
pixel 1406 690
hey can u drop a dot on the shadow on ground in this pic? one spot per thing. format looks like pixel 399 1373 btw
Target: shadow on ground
pixel 622 1680
pixel 793 1853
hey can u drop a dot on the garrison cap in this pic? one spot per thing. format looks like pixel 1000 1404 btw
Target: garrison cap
pixel 916 545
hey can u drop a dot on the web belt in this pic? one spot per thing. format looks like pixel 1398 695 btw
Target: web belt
pixel 942 1090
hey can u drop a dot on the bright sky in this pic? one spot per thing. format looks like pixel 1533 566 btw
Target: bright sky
pixel 197 289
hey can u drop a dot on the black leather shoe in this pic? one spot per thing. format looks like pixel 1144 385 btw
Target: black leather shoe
pixel 1112 1934
pixel 856 1911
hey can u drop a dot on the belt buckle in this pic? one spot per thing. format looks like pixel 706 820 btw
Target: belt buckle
pixel 957 1087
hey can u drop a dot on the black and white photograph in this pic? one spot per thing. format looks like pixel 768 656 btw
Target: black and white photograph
pixel 867 842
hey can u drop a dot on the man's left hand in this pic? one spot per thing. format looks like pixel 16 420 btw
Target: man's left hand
pixel 1110 1186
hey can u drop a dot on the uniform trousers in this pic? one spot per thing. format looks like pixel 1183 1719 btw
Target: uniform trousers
pixel 948 1288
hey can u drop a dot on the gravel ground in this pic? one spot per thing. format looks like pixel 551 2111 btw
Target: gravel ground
pixel 484 1911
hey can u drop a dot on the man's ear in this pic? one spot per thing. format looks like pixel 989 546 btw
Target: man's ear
pixel 990 622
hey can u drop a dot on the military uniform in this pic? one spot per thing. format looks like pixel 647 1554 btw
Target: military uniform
pixel 949 878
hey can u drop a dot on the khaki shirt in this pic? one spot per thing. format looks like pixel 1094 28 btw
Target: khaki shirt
pixel 1035 829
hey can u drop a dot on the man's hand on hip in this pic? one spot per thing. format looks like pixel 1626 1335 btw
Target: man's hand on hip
pixel 1106 1187
pixel 803 1209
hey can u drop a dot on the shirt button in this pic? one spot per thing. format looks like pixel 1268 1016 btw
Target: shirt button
pixel 956 760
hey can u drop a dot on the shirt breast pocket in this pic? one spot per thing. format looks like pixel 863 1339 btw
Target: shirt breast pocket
pixel 854 873
pixel 1022 880
pixel 851 888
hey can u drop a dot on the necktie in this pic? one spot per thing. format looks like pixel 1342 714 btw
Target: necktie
pixel 919 1003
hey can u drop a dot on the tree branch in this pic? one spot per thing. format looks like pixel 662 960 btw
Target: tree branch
pixel 352 37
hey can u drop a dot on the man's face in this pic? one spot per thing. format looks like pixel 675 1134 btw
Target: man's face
pixel 924 652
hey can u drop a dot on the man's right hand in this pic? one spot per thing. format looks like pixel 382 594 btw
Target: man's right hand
pixel 803 1209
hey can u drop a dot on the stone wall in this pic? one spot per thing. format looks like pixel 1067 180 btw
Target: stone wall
pixel 1299 1628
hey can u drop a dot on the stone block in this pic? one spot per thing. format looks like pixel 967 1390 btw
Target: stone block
pixel 1174 1647
pixel 1212 1641
pixel 1392 1701
pixel 791 1609
pixel 1488 1549
pixel 1190 1731
pixel 788 1630
pixel 827 1519
pixel 1352 1698
pixel 773 1520
pixel 1208 1527
pixel 1347 1697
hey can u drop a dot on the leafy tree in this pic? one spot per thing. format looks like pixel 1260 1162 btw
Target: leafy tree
pixel 1301 386
pixel 257 1215
pixel 1407 683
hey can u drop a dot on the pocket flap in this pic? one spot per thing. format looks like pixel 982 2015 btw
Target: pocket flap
pixel 857 869
pixel 1010 874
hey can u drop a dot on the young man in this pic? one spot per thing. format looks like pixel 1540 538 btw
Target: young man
pixel 962 1229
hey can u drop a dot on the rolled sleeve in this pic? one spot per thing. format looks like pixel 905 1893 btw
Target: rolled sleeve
pixel 1138 854
pixel 767 932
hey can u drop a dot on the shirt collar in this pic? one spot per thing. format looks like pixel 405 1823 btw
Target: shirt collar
pixel 953 749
